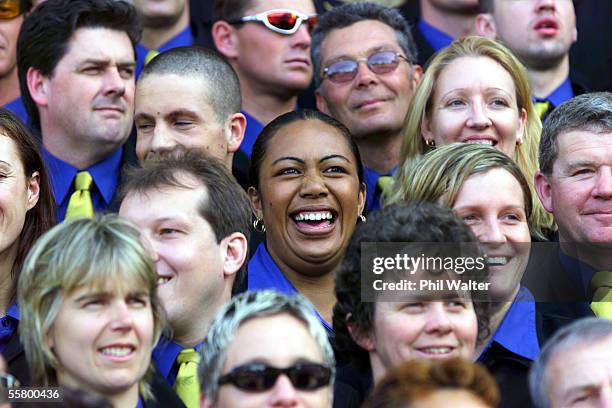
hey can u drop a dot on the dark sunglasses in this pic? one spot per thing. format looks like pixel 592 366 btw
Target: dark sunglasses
pixel 9 9
pixel 261 377
pixel 281 21
pixel 382 62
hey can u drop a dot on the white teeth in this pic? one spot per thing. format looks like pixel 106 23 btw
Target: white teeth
pixel 481 141
pixel 313 216
pixel 117 351
pixel 437 350
pixel 162 279
pixel 497 260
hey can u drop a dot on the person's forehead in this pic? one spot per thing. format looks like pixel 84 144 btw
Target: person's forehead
pixel 583 144
pixel 359 40
pixel 281 339
pixel 580 365
pixel 99 43
pixel 175 92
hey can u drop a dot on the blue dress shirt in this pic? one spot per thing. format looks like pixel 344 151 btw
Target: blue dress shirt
pixel 18 108
pixel 165 353
pixel 184 38
pixel 253 129
pixel 105 176
pixel 8 325
pixel 517 332
pixel 561 94
pixel 436 38
pixel 265 274
pixel 373 192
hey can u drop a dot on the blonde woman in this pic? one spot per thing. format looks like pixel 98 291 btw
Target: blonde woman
pixel 476 91
pixel 488 190
pixel 90 312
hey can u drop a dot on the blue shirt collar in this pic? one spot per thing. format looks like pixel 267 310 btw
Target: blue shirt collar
pixel 373 193
pixel 140 403
pixel 18 108
pixel 253 129
pixel 165 353
pixel 13 311
pixel 517 331
pixel 182 39
pixel 436 38
pixel 104 173
pixel 561 94
pixel 263 273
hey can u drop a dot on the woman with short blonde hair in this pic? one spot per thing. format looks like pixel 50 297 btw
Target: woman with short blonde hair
pixel 90 311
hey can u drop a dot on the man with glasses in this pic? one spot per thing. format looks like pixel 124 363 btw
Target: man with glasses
pixel 12 14
pixel 365 68
pixel 268 45
pixel 266 349
pixel 540 33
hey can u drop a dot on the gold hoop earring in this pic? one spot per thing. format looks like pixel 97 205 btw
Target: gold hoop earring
pixel 258 225
pixel 430 143
pixel 362 218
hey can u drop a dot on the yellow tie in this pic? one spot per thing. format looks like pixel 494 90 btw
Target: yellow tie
pixel 384 182
pixel 601 285
pixel 542 108
pixel 150 55
pixel 186 385
pixel 80 205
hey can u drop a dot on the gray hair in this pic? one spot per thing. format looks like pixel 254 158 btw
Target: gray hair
pixel 587 330
pixel 589 112
pixel 247 306
pixel 222 89
pixel 351 13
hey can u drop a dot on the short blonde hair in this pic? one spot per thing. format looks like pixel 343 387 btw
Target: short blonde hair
pixel 70 255
pixel 420 107
pixel 439 175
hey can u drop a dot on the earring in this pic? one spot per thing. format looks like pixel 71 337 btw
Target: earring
pixel 430 143
pixel 258 225
pixel 362 218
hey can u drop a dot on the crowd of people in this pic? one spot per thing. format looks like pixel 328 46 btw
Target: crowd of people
pixel 213 204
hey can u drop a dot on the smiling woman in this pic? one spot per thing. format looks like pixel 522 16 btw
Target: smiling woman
pixel 476 91
pixel 308 192
pixel 486 189
pixel 114 301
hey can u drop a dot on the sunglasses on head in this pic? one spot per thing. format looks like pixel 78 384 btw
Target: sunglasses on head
pixel 258 377
pixel 281 20
pixel 9 9
pixel 345 70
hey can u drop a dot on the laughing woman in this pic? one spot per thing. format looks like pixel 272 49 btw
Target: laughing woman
pixel 90 312
pixel 307 194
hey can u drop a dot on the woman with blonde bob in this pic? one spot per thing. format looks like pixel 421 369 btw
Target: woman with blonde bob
pixel 486 189
pixel 90 312
pixel 477 91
